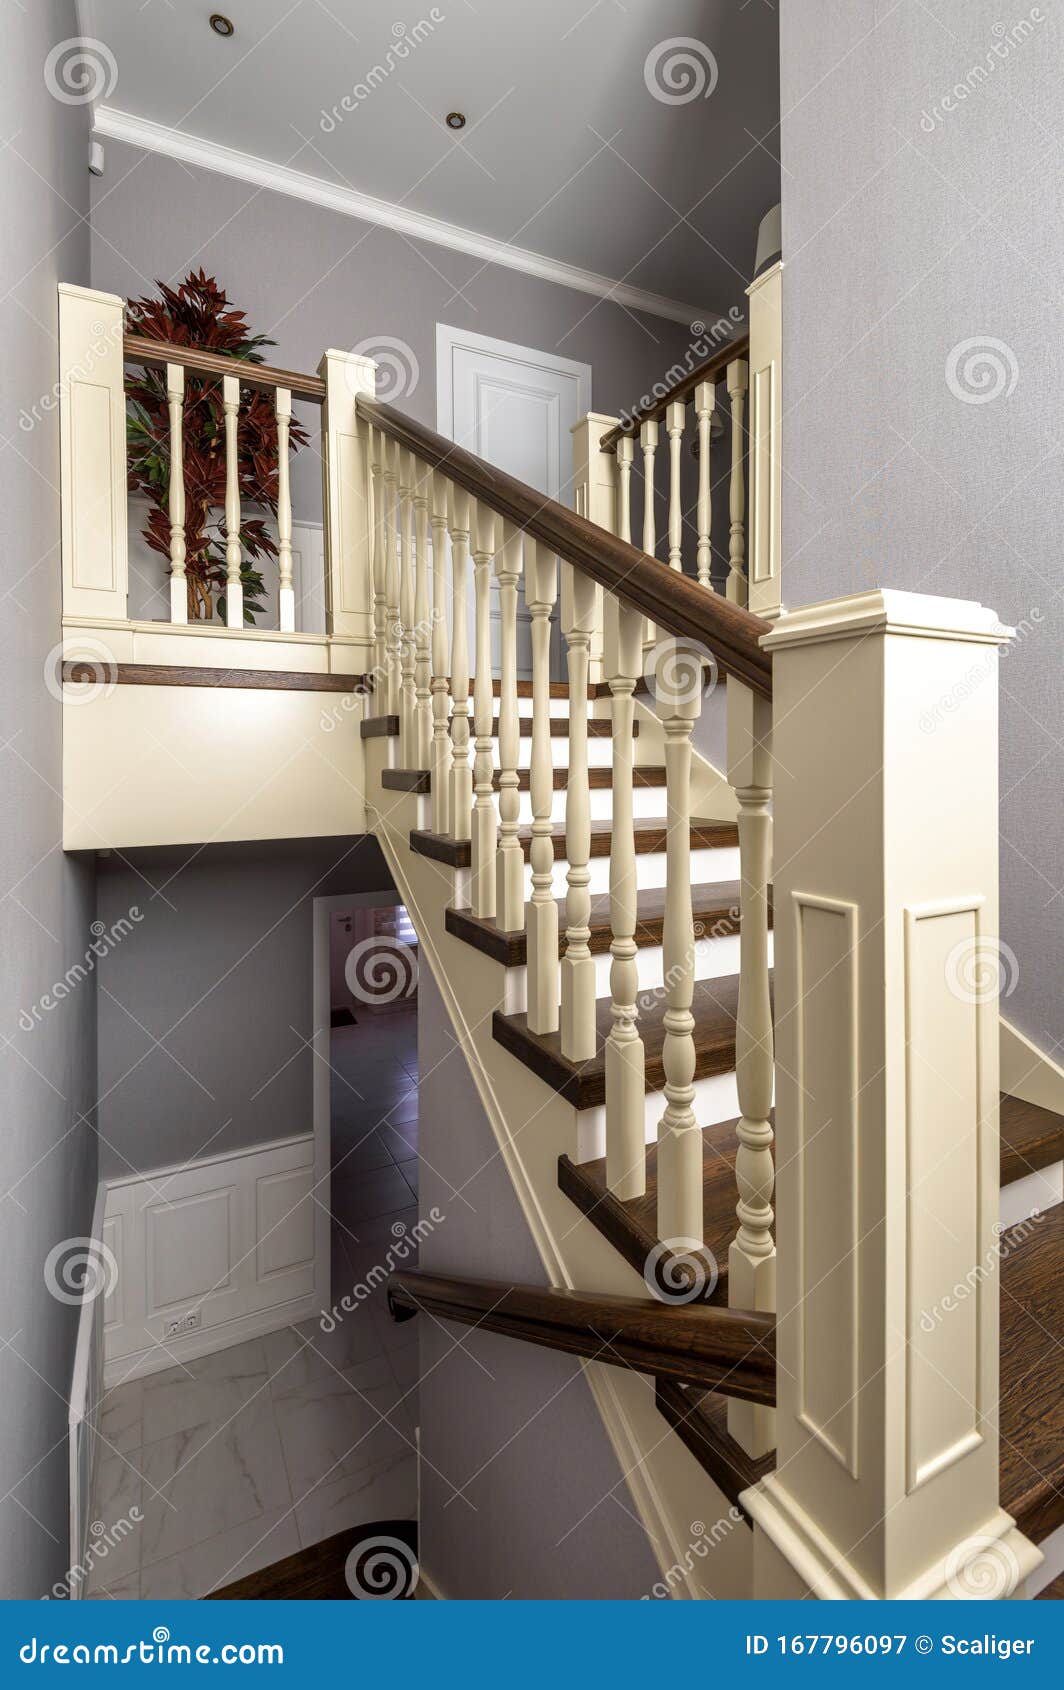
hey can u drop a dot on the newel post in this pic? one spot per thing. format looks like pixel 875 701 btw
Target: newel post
pixel 92 435
pixel 594 496
pixel 886 930
pixel 764 581
pixel 348 505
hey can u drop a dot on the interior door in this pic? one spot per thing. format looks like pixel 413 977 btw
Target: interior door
pixel 515 407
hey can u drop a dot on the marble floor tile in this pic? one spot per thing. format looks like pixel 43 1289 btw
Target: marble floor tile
pixel 221 1560
pixel 385 1490
pixel 210 1389
pixel 122 1590
pixel 297 1355
pixel 116 1490
pixel 206 1479
pixel 121 1412
pixel 341 1424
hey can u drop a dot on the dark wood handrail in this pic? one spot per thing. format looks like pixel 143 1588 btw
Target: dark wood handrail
pixel 139 349
pixel 732 1351
pixel 675 602
pixel 709 370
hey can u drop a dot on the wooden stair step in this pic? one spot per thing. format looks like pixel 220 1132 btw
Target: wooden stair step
pixel 715 907
pixel 583 1084
pixel 1032 1373
pixel 700 1418
pixel 598 780
pixel 1031 1137
pixel 598 727
pixel 379 727
pixel 650 836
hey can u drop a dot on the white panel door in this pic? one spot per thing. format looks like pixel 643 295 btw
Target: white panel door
pixel 515 407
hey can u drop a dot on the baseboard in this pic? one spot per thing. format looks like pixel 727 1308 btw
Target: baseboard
pixel 237 1243
pixel 1027 1072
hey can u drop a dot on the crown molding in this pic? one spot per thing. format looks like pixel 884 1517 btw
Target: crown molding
pixel 298 184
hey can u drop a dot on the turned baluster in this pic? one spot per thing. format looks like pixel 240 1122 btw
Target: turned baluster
pixel 441 688
pixel 752 1255
pixel 648 439
pixel 461 800
pixel 675 421
pixel 380 592
pixel 509 861
pixel 625 459
pixel 679 683
pixel 625 1060
pixel 286 596
pixel 578 965
pixel 705 403
pixel 234 591
pixel 408 658
pixel 541 586
pixel 422 619
pixel 175 398
pixel 737 377
pixel 484 825
pixel 393 659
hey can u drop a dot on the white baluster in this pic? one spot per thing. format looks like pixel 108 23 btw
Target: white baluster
pixel 578 965
pixel 461 801
pixel 675 421
pixel 379 574
pixel 484 824
pixel 648 438
pixel 625 458
pixel 408 706
pixel 705 404
pixel 541 586
pixel 509 860
pixel 441 689
pixel 679 683
pixel 393 656
pixel 737 376
pixel 752 1255
pixel 286 597
pixel 422 619
pixel 175 397
pixel 234 591
pixel 625 1060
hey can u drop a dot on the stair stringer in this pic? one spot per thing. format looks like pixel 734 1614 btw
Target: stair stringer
pixel 680 1507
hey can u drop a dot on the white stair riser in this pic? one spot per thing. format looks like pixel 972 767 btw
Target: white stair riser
pixel 715 959
pixel 1033 1194
pixel 706 866
pixel 646 801
pixel 716 1099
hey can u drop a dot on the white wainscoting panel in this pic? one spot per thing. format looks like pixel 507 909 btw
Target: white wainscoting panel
pixel 237 1241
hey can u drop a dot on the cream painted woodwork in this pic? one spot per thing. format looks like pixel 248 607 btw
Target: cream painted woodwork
pixel 509 861
pixel 286 596
pixel 766 463
pixel 625 1055
pixel 92 453
pixel 234 556
pixel 422 621
pixel 375 459
pixel 705 406
pixel 175 399
pixel 348 503
pixel 752 1254
pixel 441 690
pixel 737 376
pixel 675 421
pixel 886 1481
pixel 577 967
pixel 541 586
pixel 392 583
pixel 408 658
pixel 484 820
pixel 461 790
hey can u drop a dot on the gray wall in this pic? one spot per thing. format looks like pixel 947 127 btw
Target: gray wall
pixel 907 230
pixel 205 1003
pixel 47 1146
pixel 511 1427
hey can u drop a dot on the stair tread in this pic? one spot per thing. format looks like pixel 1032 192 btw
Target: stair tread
pixel 1032 1137
pixel 598 727
pixel 598 780
pixel 650 836
pixel 700 1418
pixel 715 906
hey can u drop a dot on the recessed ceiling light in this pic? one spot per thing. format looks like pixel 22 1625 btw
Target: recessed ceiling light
pixel 456 120
pixel 222 25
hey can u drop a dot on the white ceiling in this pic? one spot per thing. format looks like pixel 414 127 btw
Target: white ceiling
pixel 566 152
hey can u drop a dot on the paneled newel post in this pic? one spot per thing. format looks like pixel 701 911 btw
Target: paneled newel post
pixel 886 936
pixel 541 587
pixel 752 1254
pixel 510 860
pixel 350 516
pixel 737 375
pixel 92 443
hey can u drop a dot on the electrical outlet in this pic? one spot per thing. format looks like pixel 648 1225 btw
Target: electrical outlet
pixel 180 1323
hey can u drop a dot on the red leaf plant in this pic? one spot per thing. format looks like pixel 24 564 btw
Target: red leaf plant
pixel 198 313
